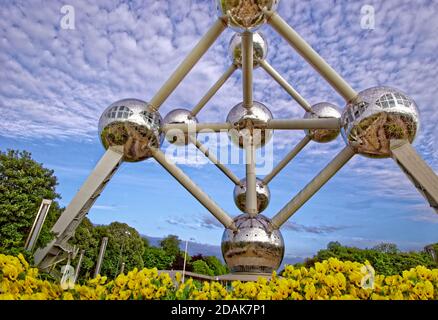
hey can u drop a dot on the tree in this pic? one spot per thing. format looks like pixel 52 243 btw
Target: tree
pixel 24 183
pixel 213 263
pixel 170 244
pixel 124 245
pixel 154 257
pixel 201 267
pixel 390 248
pixel 216 265
pixel 178 262
pixel 386 259
pixel 86 239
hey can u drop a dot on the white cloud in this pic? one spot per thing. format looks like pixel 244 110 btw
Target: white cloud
pixel 56 83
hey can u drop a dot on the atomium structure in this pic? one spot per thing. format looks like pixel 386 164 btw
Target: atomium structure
pixel 379 122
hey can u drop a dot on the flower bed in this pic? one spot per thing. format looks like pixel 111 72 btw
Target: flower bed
pixel 331 279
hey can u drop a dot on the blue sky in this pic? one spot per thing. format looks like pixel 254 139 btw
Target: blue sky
pixel 55 83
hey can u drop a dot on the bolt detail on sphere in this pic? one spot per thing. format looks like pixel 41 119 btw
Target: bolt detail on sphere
pixel 131 124
pixel 263 195
pixel 323 110
pixel 377 116
pixel 255 247
pixel 260 49
pixel 179 116
pixel 250 122
pixel 245 15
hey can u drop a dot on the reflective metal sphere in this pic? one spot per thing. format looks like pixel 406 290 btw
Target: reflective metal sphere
pixel 247 121
pixel 179 116
pixel 323 110
pixel 260 49
pixel 263 195
pixel 131 123
pixel 379 115
pixel 255 247
pixel 245 14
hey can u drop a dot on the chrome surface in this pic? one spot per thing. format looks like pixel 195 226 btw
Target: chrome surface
pixel 247 122
pixel 263 195
pixel 132 124
pixel 260 49
pixel 323 110
pixel 245 15
pixel 179 116
pixel 377 116
pixel 255 247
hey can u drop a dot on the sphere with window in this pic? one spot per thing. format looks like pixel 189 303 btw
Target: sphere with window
pixel 377 116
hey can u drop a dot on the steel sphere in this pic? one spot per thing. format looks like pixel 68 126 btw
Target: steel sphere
pixel 263 195
pixel 323 110
pixel 247 120
pixel 179 116
pixel 260 49
pixel 133 125
pixel 245 15
pixel 256 247
pixel 377 116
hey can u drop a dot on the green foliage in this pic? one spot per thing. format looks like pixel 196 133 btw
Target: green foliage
pixel 216 266
pixel 170 245
pixel 24 183
pixel 390 248
pixel 86 239
pixel 124 245
pixel 201 267
pixel 385 258
pixel 154 257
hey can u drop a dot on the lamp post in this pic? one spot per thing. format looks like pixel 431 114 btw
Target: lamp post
pixel 127 233
pixel 185 259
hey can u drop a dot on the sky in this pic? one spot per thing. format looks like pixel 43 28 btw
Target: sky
pixel 56 82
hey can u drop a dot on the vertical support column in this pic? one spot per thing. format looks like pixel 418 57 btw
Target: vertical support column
pixel 247 68
pixel 78 266
pixel 37 224
pixel 251 180
pixel 100 257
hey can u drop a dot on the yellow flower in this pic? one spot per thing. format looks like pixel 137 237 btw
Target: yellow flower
pixel 10 271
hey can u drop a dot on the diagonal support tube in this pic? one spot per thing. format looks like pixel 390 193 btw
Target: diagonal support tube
pixel 312 57
pixel 302 124
pixel 304 195
pixel 189 62
pixel 417 170
pixel 288 158
pixel 191 187
pixel 251 180
pixel 65 226
pixel 214 160
pixel 247 68
pixel 286 86
pixel 214 89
